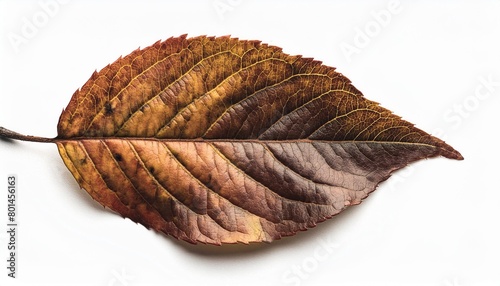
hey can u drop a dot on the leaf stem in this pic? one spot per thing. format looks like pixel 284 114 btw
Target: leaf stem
pixel 6 133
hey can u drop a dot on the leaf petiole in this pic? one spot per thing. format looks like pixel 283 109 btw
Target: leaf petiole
pixel 6 133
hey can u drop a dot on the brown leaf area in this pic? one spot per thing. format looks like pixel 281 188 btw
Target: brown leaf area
pixel 218 140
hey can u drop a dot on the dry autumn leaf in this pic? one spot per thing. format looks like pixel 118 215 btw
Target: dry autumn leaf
pixel 218 140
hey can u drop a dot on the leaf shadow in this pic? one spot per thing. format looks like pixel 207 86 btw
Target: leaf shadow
pixel 7 140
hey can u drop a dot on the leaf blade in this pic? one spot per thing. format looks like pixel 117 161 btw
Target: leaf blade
pixel 217 140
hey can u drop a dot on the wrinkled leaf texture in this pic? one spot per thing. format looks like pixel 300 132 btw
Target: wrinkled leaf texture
pixel 219 140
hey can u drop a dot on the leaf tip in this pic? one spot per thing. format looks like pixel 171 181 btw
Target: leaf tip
pixel 456 155
pixel 449 152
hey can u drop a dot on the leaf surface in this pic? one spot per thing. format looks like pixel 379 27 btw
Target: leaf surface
pixel 218 140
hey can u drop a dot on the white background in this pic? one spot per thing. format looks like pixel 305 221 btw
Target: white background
pixel 437 222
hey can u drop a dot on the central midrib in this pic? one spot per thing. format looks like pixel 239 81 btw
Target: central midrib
pixel 228 140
